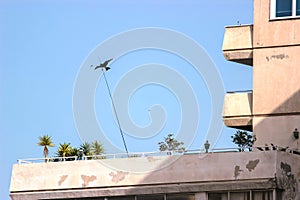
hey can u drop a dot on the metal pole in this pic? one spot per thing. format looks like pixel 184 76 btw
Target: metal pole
pixel 115 112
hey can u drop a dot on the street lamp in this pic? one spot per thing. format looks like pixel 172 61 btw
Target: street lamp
pixel 296 134
pixel 206 146
pixel 80 154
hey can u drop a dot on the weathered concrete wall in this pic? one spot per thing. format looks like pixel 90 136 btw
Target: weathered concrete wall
pixel 276 72
pixel 277 130
pixel 188 168
pixel 288 176
pixel 276 95
pixel 276 85
pixel 209 171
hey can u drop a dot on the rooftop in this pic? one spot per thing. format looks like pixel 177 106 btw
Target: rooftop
pixel 148 173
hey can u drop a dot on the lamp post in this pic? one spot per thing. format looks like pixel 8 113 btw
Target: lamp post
pixel 80 154
pixel 296 134
pixel 206 146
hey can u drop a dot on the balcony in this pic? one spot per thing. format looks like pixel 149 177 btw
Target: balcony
pixel 237 110
pixel 238 44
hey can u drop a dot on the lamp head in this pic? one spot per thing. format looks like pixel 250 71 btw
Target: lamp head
pixel 296 134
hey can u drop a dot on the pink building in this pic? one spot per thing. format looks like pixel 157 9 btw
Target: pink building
pixel 272 47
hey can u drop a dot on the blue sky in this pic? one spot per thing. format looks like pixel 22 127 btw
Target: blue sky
pixel 43 45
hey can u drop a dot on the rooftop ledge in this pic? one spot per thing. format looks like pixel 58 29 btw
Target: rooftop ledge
pixel 159 174
pixel 238 44
pixel 201 152
pixel 125 155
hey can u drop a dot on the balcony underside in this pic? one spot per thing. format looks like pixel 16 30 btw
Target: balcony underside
pixel 243 123
pixel 239 56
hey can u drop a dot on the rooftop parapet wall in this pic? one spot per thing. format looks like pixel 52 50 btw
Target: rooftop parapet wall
pixel 188 168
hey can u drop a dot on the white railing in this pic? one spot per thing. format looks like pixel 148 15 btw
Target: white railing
pixel 125 155
pixel 50 159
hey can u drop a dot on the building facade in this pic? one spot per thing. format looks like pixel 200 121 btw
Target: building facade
pixel 272 47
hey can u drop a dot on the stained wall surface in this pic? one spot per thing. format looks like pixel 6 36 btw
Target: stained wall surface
pixel 188 173
pixel 276 72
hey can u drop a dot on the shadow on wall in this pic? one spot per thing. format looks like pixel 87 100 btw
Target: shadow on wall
pixel 277 128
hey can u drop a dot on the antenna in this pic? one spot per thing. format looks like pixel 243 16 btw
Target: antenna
pixel 115 110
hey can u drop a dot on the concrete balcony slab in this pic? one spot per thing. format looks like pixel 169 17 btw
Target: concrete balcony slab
pixel 238 44
pixel 237 110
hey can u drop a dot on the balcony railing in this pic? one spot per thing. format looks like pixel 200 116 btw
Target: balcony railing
pixel 125 155
pixel 238 44
pixel 237 110
pixel 152 154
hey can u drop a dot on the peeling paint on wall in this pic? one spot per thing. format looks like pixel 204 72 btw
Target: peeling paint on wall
pixel 237 171
pixel 252 164
pixel 152 159
pixel 62 179
pixel 119 176
pixel 288 182
pixel 87 179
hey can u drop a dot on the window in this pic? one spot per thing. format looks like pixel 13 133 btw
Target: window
pixel 232 196
pixel 151 197
pixel 121 198
pixel 298 8
pixel 239 195
pixel 180 197
pixel 262 195
pixel 218 196
pixel 285 8
pixel 244 195
pixel 166 197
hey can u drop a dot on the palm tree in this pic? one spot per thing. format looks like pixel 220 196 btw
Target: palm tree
pixel 46 142
pixel 74 151
pixel 64 150
pixel 86 147
pixel 97 148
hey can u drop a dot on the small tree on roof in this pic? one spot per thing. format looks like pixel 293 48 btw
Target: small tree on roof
pixel 97 148
pixel 171 144
pixel 243 139
pixel 64 150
